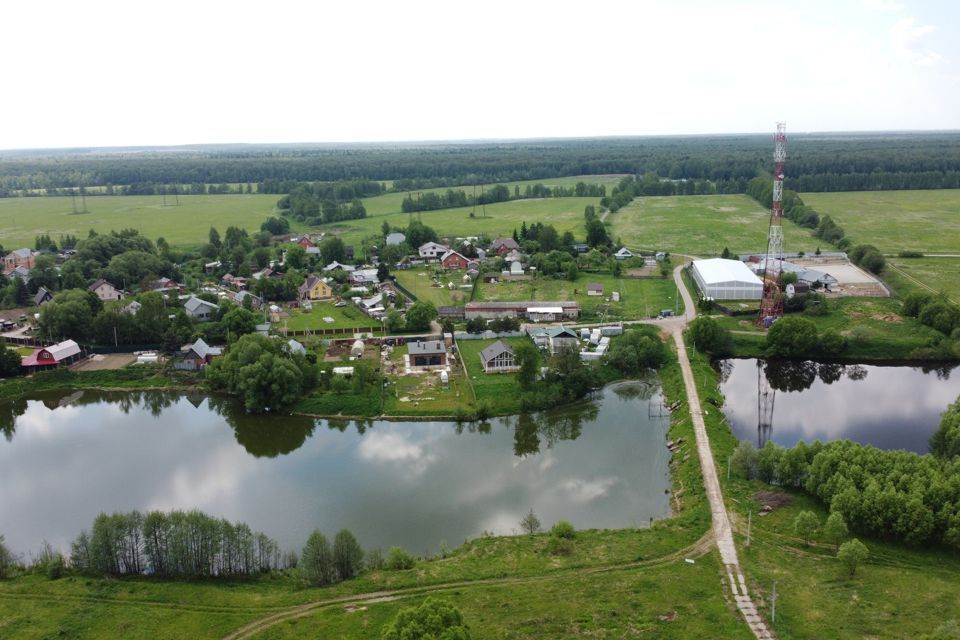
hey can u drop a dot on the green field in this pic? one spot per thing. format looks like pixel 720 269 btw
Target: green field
pixel 639 297
pixel 187 225
pixel 566 214
pixel 702 226
pixel 894 221
pixel 391 202
pixel 936 275
pixel 344 318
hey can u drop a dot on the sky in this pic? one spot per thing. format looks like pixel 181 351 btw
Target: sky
pixel 105 73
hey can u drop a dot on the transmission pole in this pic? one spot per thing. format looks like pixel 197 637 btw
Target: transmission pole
pixel 771 306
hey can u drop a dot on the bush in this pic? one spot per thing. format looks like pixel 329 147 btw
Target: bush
pixel 560 547
pixel 398 559
pixel 56 567
pixel 709 337
pixel 941 315
pixel 914 303
pixel 805 525
pixel 791 336
pixel 563 529
pixel 744 460
pixel 434 619
pixel 832 343
pixel 6 560
pixel 852 554
pixel 910 254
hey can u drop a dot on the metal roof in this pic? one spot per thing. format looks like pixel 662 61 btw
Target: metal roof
pixel 717 270
pixel 426 347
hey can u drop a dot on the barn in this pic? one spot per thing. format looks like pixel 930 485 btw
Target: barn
pixel 722 279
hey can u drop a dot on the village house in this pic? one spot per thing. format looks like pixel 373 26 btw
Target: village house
pixel 554 339
pixel 293 346
pixel 594 289
pixel 105 291
pixel 200 309
pixel 133 308
pixel 432 250
pixel 197 356
pixel 240 297
pixel 453 260
pixel 306 242
pixel 498 358
pixel 339 266
pixel 427 353
pixel 42 297
pixel 18 258
pixel 503 246
pixel 364 276
pixel 65 352
pixel 623 254
pixel 395 239
pixel 166 285
pixel 314 288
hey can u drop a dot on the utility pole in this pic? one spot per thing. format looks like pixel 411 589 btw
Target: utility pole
pixel 729 460
pixel 749 526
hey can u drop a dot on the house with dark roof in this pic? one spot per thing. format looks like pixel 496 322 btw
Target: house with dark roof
pixel 594 289
pixel 105 291
pixel 427 353
pixel 42 297
pixel 554 339
pixel 498 358
pixel 503 246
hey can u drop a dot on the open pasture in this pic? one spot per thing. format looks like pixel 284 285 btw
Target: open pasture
pixel 936 275
pixel 894 221
pixel 702 225
pixel 186 225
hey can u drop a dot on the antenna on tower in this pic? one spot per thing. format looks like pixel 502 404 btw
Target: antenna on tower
pixel 771 305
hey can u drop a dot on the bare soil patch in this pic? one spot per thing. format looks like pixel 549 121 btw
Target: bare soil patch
pixel 772 499
pixel 103 362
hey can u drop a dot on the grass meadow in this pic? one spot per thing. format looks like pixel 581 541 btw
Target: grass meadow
pixel 702 226
pixel 894 221
pixel 936 275
pixel 187 225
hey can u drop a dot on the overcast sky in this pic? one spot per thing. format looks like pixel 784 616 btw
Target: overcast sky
pixel 101 73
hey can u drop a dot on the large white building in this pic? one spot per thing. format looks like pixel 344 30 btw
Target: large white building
pixel 726 280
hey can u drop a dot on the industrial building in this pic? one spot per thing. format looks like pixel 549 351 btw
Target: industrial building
pixel 722 279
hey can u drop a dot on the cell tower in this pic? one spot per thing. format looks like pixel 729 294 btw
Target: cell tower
pixel 771 306
pixel 766 395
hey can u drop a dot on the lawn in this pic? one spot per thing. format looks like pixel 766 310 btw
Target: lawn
pixel 422 394
pixel 894 221
pixel 639 297
pixel 346 317
pixel 498 390
pixel 702 226
pixel 929 274
pixel 566 214
pixel 419 282
pixel 187 225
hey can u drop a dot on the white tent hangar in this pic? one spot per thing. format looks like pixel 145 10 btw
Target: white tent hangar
pixel 726 280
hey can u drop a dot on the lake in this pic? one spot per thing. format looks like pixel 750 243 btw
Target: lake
pixel 67 456
pixel 889 407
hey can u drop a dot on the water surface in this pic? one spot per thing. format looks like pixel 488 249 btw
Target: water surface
pixel 889 407
pixel 67 457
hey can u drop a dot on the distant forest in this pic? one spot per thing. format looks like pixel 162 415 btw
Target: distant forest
pixel 815 162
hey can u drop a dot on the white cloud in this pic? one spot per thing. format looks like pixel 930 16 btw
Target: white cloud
pixel 882 5
pixel 588 490
pixel 395 448
pixel 908 38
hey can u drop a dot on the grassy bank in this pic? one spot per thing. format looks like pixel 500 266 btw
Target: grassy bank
pixel 139 377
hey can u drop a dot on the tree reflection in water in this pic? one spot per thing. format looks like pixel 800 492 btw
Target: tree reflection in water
pixel 265 436
pixel 550 427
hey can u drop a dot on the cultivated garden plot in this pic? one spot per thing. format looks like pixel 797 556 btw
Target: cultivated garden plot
pixel 895 221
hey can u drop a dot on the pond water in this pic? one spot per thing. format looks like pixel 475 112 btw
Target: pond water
pixel 66 457
pixel 889 407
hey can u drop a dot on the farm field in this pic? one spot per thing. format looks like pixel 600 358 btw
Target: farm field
pixel 344 318
pixel 498 390
pixel 566 214
pixel 391 202
pixel 419 282
pixel 937 275
pixel 701 225
pixel 639 297
pixel 894 221
pixel 22 219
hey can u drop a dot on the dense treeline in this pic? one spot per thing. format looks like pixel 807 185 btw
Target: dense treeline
pixel 888 494
pixel 825 162
pixel 318 203
pixel 431 201
pixel 176 544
